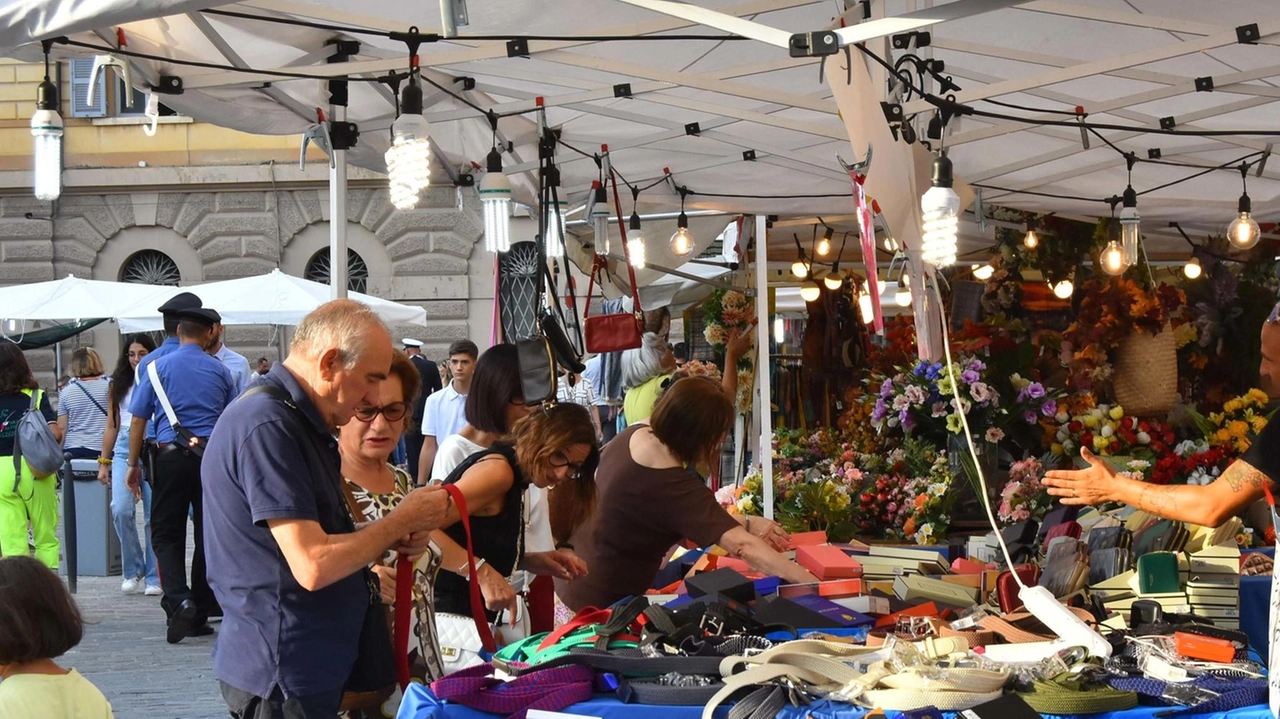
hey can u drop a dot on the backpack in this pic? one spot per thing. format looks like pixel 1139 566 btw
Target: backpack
pixel 34 443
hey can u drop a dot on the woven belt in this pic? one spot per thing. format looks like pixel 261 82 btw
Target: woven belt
pixel 1070 694
pixel 1232 693
pixel 550 689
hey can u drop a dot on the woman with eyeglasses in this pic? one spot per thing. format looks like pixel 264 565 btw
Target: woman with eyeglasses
pixel 554 448
pixel 651 497
pixel 377 486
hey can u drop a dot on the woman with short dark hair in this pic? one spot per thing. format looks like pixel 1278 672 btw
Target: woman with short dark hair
pixel 39 622
pixel 27 502
pixel 650 497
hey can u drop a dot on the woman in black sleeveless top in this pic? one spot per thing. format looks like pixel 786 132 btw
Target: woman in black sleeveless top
pixel 548 448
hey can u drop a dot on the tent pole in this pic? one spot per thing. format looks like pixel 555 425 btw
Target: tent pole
pixel 338 215
pixel 762 365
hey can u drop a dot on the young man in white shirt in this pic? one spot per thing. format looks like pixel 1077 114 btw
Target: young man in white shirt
pixel 445 411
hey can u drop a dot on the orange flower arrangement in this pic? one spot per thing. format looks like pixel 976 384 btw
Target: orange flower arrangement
pixel 1110 311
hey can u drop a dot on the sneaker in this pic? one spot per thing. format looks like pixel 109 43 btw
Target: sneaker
pixel 131 585
pixel 154 591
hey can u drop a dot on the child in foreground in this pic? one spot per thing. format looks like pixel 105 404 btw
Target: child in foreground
pixel 39 621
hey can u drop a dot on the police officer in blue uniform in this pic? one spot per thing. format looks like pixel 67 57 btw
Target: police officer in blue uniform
pixel 198 387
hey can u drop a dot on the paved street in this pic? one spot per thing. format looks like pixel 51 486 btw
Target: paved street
pixel 125 654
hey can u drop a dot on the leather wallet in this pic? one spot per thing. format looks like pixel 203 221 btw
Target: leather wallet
pixel 1007 587
pixel 1101 538
pixel 1020 539
pixel 1065 577
pixel 1158 573
pixel 1064 549
pixel 1060 514
pixel 1066 529
pixel 1107 563
pixel 1164 535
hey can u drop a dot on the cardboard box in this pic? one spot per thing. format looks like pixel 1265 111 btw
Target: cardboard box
pixel 827 562
pixel 808 539
pixel 721 583
pixel 842 615
pixel 766 586
pixel 781 610
pixel 865 604
pixel 831 589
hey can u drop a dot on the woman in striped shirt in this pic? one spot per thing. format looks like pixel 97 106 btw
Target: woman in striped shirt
pixel 82 405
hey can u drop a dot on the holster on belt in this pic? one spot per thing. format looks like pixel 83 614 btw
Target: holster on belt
pixel 149 453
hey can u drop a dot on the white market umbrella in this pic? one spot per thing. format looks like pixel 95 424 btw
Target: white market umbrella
pixel 73 298
pixel 271 299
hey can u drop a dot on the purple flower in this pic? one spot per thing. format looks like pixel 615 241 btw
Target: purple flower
pixel 1030 416
pixel 886 389
pixel 1035 390
pixel 880 411
pixel 908 422
pixel 970 376
pixel 976 365
pixel 1049 409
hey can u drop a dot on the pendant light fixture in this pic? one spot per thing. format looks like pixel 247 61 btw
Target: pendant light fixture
pixel 555 229
pixel 1130 221
pixel 779 329
pixel 46 128
pixel 1243 232
pixel 1113 259
pixel 1031 240
pixel 810 291
pixel 682 240
pixel 834 280
pixel 824 245
pixel 635 236
pixel 982 273
pixel 800 268
pixel 941 207
pixel 1064 290
pixel 864 306
pixel 495 193
pixel 1192 270
pixel 600 217
pixel 409 157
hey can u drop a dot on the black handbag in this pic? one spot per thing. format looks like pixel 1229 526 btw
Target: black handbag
pixel 537 370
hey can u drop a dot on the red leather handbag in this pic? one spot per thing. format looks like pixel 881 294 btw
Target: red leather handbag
pixel 623 330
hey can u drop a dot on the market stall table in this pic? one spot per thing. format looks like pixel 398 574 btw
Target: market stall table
pixel 420 703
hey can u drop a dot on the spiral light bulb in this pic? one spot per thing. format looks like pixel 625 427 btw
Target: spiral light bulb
pixel 941 208
pixel 409 157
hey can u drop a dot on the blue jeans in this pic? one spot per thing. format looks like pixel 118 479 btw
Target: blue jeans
pixel 124 517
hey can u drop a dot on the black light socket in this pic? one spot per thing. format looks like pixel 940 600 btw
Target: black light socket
pixel 493 163
pixel 1246 205
pixel 1130 198
pixel 942 171
pixel 47 96
pixel 411 98
pixel 683 220
pixel 634 223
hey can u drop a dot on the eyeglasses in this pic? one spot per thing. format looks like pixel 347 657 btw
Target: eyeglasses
pixel 1274 318
pixel 393 412
pixel 558 460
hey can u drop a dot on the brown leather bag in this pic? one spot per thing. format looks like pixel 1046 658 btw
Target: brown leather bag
pixel 623 330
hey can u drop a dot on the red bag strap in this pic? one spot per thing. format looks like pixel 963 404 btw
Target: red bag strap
pixel 477 603
pixel 587 616
pixel 404 603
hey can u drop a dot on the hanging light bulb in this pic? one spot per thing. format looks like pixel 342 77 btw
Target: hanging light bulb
pixel 682 240
pixel 800 268
pixel 810 291
pixel 600 217
pixel 1193 270
pixel 495 192
pixel 555 229
pixel 1129 226
pixel 779 329
pixel 903 296
pixel 905 280
pixel 409 157
pixel 834 280
pixel 635 243
pixel 983 273
pixel 1243 232
pixel 824 245
pixel 864 307
pixel 1064 289
pixel 46 128
pixel 1031 241
pixel 941 207
pixel 1113 259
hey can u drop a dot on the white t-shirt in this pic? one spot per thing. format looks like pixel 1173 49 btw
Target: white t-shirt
pixel 52 696
pixel 444 414
pixel 537 533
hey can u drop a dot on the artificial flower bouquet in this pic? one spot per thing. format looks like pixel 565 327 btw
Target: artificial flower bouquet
pixel 1109 432
pixel 727 313
pixel 1241 419
pixel 1024 496
pixel 1110 311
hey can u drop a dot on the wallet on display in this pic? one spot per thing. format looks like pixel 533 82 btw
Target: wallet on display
pixel 1109 538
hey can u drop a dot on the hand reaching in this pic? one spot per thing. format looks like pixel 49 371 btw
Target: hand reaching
pixel 497 591
pixel 772 534
pixel 1088 486
pixel 561 564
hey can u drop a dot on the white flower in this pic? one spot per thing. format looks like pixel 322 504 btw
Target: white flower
pixel 1144 438
pixel 1107 431
pixel 714 334
pixel 724 495
pixel 901 402
pixel 939 409
pixel 994 434
pixel 745 505
pixel 915 394
pixel 1138 465
pixel 937 489
pixel 1062 417
pixel 923 534
pixel 1019 383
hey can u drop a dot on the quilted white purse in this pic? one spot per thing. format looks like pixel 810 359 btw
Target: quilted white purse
pixel 460 643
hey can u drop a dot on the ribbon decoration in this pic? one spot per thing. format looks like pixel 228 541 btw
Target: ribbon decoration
pixel 867 233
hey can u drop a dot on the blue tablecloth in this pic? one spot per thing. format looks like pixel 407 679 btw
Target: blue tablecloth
pixel 419 703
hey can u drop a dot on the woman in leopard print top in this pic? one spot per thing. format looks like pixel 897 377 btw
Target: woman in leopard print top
pixel 366 443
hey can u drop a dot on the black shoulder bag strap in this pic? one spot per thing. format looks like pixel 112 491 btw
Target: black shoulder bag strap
pixel 95 402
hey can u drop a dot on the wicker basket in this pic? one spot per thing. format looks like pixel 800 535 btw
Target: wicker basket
pixel 1146 373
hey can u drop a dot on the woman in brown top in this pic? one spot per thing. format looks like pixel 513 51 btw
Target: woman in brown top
pixel 649 499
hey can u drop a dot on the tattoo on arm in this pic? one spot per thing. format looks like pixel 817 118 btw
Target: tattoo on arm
pixel 1158 500
pixel 1240 475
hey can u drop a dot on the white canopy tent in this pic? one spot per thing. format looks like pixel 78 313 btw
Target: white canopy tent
pixel 271 299
pixel 73 298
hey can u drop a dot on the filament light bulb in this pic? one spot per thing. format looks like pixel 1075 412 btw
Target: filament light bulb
pixel 824 245
pixel 1113 260
pixel 1130 225
pixel 681 240
pixel 1031 241
pixel 635 243
pixel 1243 232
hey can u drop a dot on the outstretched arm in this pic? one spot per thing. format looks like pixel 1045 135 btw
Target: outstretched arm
pixel 1211 505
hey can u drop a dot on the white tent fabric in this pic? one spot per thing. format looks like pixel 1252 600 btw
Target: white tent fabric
pixel 271 299
pixel 1127 63
pixel 73 298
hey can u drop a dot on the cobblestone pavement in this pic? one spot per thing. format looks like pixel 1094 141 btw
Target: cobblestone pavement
pixel 124 654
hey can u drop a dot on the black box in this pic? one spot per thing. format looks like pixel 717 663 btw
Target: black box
pixel 721 582
pixel 780 610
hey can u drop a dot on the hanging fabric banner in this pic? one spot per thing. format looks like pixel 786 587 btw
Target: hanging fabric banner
pixel 867 232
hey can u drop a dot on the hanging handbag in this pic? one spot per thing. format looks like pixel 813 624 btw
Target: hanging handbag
pixel 537 370
pixel 616 332
pixel 463 639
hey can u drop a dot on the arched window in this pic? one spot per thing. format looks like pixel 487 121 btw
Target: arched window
pixel 151 267
pixel 357 271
